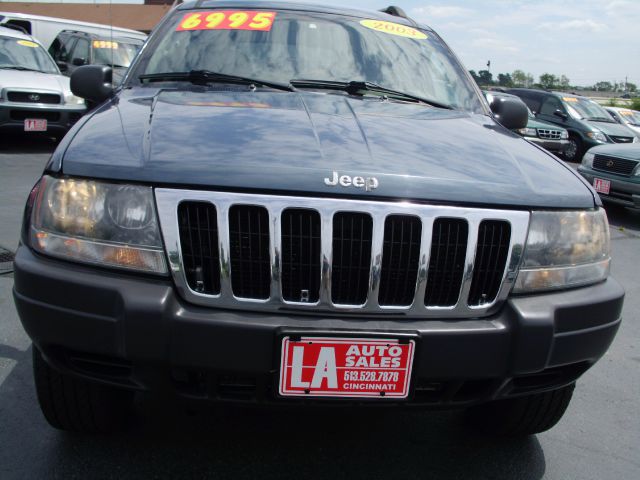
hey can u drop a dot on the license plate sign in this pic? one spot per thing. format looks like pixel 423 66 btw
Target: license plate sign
pixel 345 367
pixel 601 185
pixel 35 125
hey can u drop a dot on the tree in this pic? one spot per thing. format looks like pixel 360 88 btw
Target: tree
pixel 505 80
pixel 631 87
pixel 548 80
pixel 564 81
pixel 475 76
pixel 529 80
pixel 519 78
pixel 486 78
pixel 603 86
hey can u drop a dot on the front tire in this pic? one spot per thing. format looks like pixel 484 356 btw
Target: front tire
pixel 574 150
pixel 521 416
pixel 76 405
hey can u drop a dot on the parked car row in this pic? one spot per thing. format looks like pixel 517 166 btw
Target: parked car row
pixel 35 94
pixel 549 136
pixel 604 139
pixel 587 123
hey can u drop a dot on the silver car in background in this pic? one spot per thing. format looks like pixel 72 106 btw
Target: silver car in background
pixel 34 95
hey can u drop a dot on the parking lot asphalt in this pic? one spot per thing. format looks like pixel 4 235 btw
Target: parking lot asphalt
pixel 598 438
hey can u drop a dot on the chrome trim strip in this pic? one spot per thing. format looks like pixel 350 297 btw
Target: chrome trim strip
pixel 169 199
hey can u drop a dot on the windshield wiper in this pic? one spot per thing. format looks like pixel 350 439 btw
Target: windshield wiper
pixel 357 87
pixel 18 67
pixel 204 77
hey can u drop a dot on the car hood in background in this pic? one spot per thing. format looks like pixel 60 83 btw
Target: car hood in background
pixel 291 142
pixel 623 150
pixel 26 80
pixel 612 128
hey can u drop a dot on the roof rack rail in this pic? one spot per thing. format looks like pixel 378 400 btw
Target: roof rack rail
pixel 395 11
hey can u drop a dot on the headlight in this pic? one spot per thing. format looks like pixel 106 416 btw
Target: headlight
pixel 635 140
pixel 598 137
pixel 100 223
pixel 587 160
pixel 565 249
pixel 564 135
pixel 528 132
pixel 71 99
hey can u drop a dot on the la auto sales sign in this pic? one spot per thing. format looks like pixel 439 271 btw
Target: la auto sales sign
pixel 345 367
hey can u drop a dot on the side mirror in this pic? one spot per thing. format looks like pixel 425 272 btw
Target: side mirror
pixel 561 114
pixel 62 65
pixel 510 112
pixel 78 62
pixel 92 82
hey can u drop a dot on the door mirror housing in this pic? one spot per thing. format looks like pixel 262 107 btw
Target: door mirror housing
pixel 511 112
pixel 561 114
pixel 92 82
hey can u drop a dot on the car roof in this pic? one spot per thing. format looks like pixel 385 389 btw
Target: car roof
pixel 306 7
pixel 10 32
pixel 619 109
pixel 104 36
pixel 28 16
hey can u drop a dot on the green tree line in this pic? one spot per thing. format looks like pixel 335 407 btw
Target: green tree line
pixel 548 81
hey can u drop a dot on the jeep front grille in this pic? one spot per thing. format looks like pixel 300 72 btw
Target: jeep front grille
pixel 248 251
pixel 549 134
pixel 621 166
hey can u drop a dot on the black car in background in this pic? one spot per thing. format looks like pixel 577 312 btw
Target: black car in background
pixel 73 49
pixel 588 123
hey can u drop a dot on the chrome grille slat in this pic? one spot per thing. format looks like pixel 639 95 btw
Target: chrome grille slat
pixel 549 134
pixel 169 199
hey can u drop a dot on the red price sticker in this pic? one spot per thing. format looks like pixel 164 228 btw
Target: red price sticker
pixel 227 20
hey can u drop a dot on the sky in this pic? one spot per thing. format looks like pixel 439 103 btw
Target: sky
pixel 586 40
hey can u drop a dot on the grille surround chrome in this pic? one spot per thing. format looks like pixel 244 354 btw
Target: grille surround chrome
pixel 168 200
pixel 549 134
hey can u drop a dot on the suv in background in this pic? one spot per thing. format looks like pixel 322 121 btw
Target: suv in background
pixel 588 123
pixel 549 136
pixel 614 172
pixel 73 49
pixel 34 96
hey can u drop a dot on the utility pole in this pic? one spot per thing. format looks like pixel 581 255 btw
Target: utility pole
pixel 489 66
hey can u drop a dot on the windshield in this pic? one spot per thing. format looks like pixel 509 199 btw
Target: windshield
pixel 114 52
pixel 630 116
pixel 587 109
pixel 25 55
pixel 283 46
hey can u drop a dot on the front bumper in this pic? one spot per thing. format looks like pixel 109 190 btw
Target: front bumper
pixel 135 332
pixel 60 118
pixel 558 146
pixel 624 191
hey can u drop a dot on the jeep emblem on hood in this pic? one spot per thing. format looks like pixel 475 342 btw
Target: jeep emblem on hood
pixel 369 183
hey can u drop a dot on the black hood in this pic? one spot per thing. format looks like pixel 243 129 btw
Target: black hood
pixel 289 142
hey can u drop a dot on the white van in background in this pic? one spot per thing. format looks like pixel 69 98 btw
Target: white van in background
pixel 46 29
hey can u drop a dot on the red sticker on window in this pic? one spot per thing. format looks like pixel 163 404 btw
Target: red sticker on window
pixel 227 20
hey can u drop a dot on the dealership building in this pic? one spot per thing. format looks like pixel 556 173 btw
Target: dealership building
pixel 141 15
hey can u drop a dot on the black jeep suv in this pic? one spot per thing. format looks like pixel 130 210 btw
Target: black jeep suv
pixel 297 205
